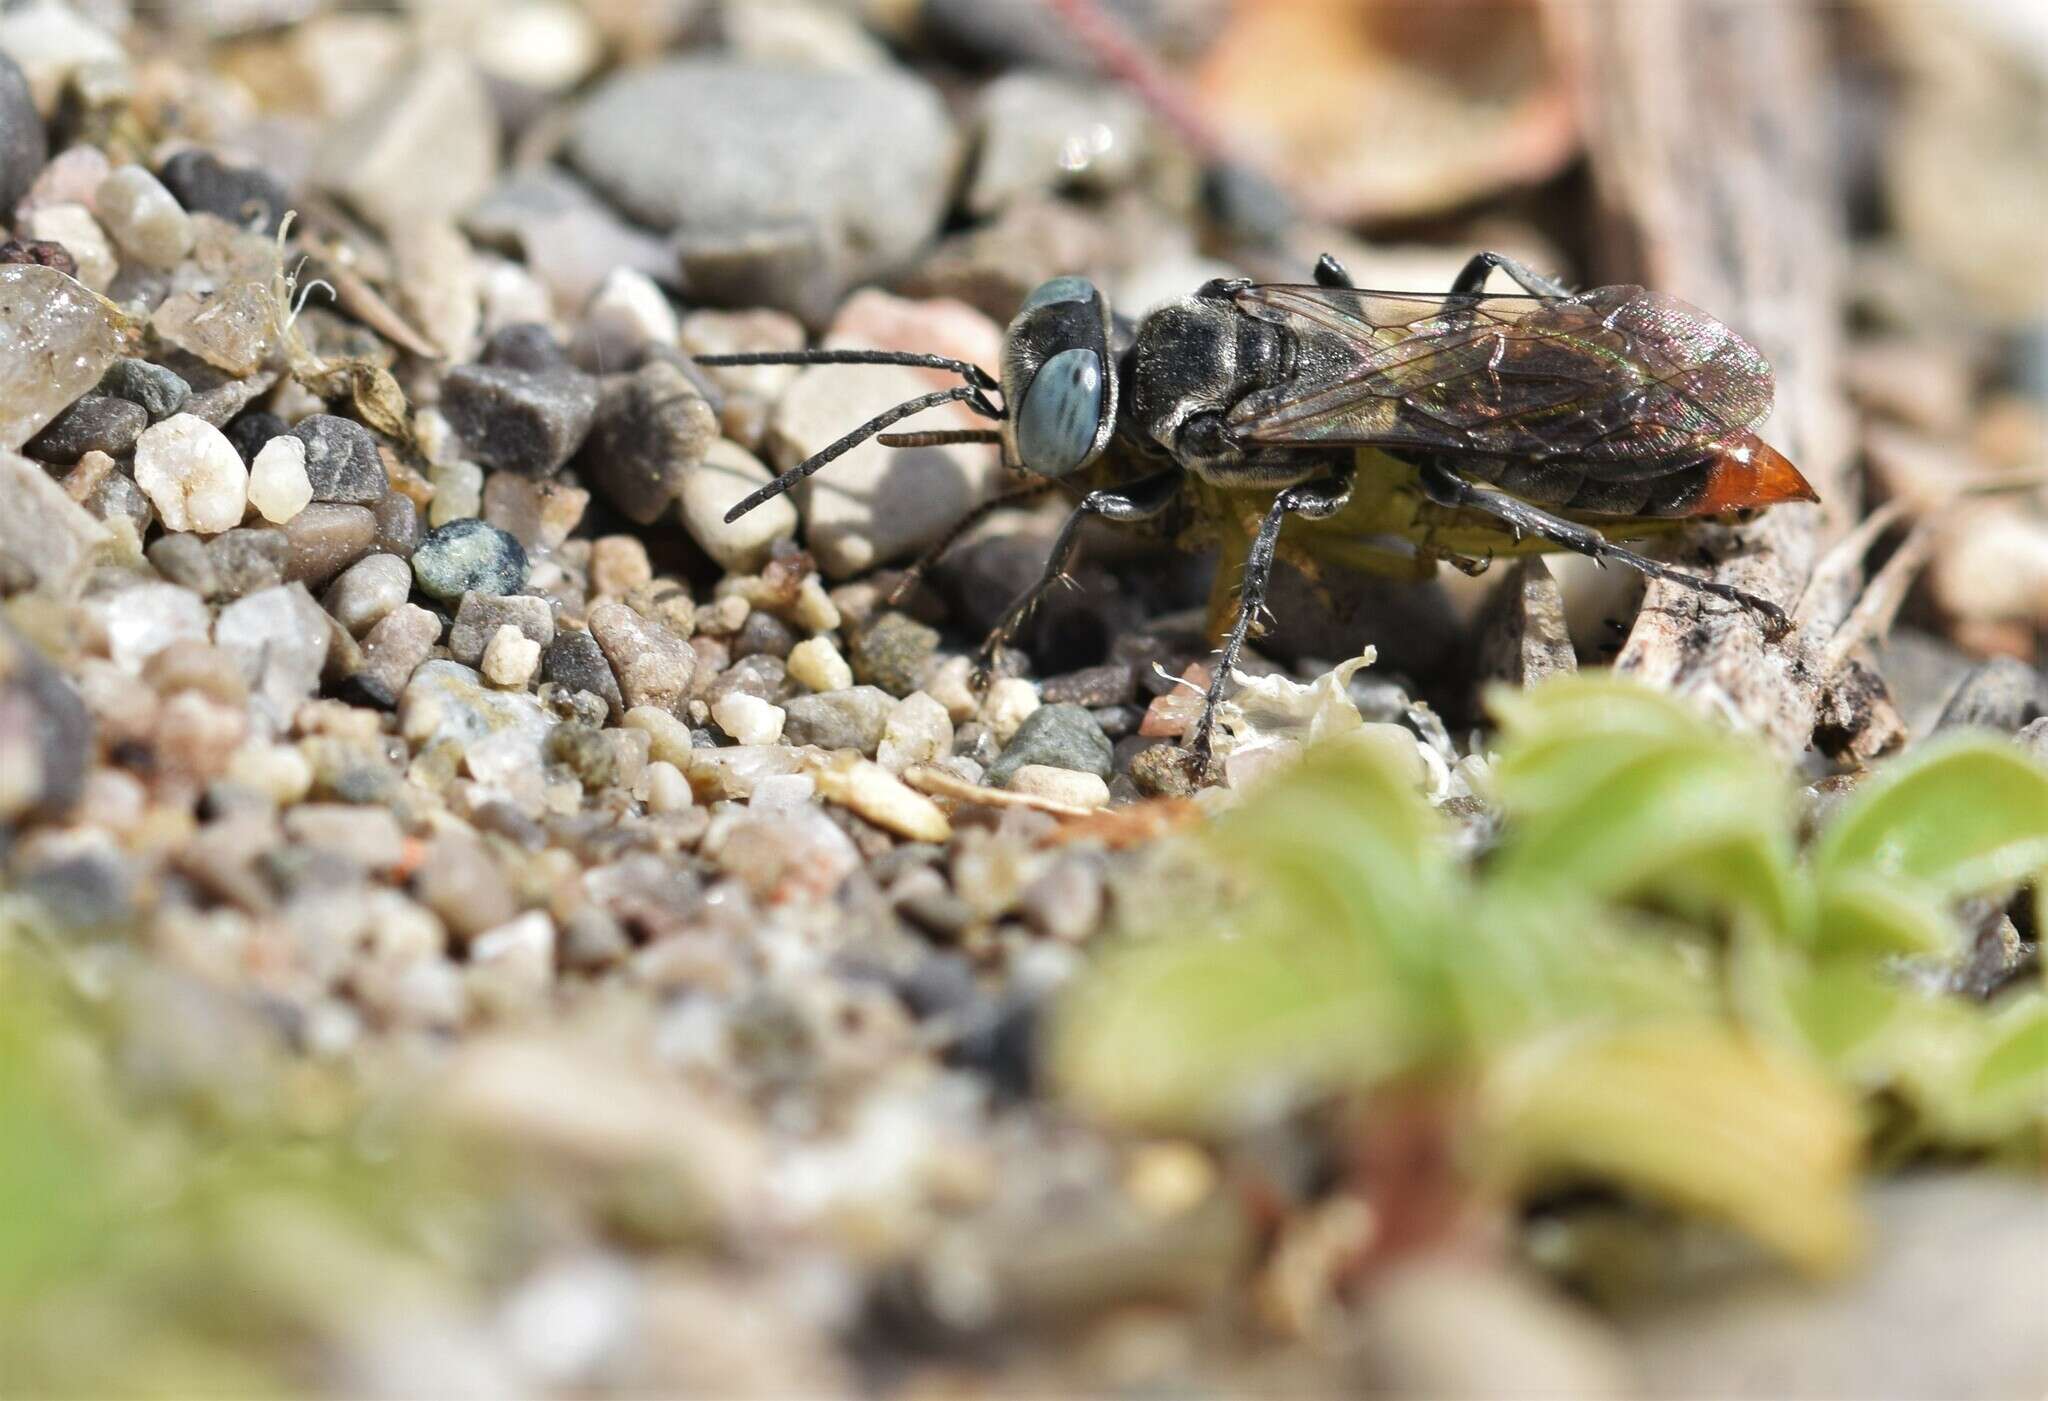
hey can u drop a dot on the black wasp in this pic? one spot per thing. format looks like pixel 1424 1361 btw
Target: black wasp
pixel 1533 419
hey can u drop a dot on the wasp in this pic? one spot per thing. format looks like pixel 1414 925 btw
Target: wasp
pixel 1417 427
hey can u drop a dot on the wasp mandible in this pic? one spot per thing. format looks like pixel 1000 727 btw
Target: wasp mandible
pixel 1545 416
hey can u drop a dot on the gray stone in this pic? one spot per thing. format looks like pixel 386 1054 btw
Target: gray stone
pixel 247 559
pixel 892 652
pixel 652 664
pixel 480 616
pixel 45 731
pixel 185 561
pixel 42 530
pixel 278 638
pixel 1521 634
pixel 650 433
pixel 23 145
pixel 243 195
pixel 525 345
pixel 423 148
pixel 116 497
pixel 96 423
pixel 161 392
pixel 855 718
pixel 398 524
pixel 326 538
pixel 1113 683
pixel 393 650
pixel 341 460
pixel 467 556
pixel 1042 133
pixel 2003 694
pixel 761 676
pixel 575 662
pixel 525 421
pixel 248 432
pixel 1055 736
pixel 2034 739
pixel 367 591
pixel 779 151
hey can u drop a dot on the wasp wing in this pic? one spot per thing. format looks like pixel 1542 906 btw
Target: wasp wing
pixel 1619 380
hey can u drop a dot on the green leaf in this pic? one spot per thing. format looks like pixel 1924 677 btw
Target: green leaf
pixel 1960 815
pixel 2010 1082
pixel 1862 913
pixel 1689 1113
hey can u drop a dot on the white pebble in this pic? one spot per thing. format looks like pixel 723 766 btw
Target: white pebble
pixel 885 800
pixel 667 789
pixel 816 663
pixel 73 226
pixel 728 473
pixel 510 658
pixel 1008 704
pixel 952 686
pixel 192 474
pixel 144 217
pixel 278 771
pixel 278 485
pixel 748 719
pixel 626 314
pixel 1070 786
pixel 918 732
pixel 522 947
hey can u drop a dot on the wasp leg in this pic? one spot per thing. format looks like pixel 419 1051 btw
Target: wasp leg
pixel 1447 488
pixel 1313 500
pixel 1140 500
pixel 1331 273
pixel 1471 280
pixel 929 560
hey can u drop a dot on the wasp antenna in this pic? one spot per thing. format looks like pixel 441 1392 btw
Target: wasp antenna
pixel 972 373
pixel 850 441
pixel 941 438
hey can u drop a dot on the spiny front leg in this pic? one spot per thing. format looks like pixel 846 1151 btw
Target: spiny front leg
pixel 1140 500
pixel 1313 500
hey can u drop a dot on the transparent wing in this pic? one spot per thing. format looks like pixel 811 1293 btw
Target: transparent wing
pixel 1618 379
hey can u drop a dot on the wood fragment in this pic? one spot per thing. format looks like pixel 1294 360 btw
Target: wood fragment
pixel 1714 170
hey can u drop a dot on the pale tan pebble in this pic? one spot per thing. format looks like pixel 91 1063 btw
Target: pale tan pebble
pixel 369 836
pixel 1009 703
pixel 815 663
pixel 458 492
pixel 627 313
pixel 144 217
pixel 748 719
pixel 278 485
pixel 1166 1179
pixel 510 658
pixel 337 719
pixel 918 732
pixel 724 616
pixel 278 771
pixel 884 799
pixel 618 565
pixel 523 948
pixel 700 713
pixel 192 475
pixel 951 684
pixel 814 609
pixel 113 799
pixel 1081 790
pixel 670 737
pixel 73 226
pixel 667 789
pixel 435 437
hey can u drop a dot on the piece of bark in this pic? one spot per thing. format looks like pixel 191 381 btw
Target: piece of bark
pixel 1521 632
pixel 1712 163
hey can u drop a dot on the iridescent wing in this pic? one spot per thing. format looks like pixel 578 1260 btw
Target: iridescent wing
pixel 1618 380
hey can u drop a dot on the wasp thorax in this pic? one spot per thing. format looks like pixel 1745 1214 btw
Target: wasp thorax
pixel 1059 385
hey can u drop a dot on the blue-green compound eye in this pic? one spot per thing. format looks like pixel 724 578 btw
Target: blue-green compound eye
pixel 1059 289
pixel 1062 410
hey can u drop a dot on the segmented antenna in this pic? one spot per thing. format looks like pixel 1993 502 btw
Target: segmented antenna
pixel 867 430
pixel 972 373
pixel 940 438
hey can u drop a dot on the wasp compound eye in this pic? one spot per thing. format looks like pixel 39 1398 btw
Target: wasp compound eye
pixel 1061 413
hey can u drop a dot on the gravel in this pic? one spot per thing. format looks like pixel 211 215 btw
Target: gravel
pixel 465 556
pixel 341 460
pixel 525 421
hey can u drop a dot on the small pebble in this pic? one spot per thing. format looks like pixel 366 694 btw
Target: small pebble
pixel 652 664
pixel 523 421
pixel 854 718
pixel 650 434
pixel 725 476
pixel 626 314
pixel 394 649
pixel 96 423
pixel 883 799
pixel 279 487
pixel 243 195
pixel 918 732
pixel 192 475
pixel 511 659
pixel 1081 790
pixel 539 514
pixel 468 555
pixel 892 652
pixel 815 663
pixel 667 789
pixel 341 460
pixel 326 538
pixel 575 662
pixel 1055 736
pixel 618 565
pixel 368 591
pixel 747 719
pixel 479 616
pixel 73 226
pixel 1008 704
pixel 145 219
pixel 458 492
pixel 160 391
pixel 398 524
pixel 248 431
